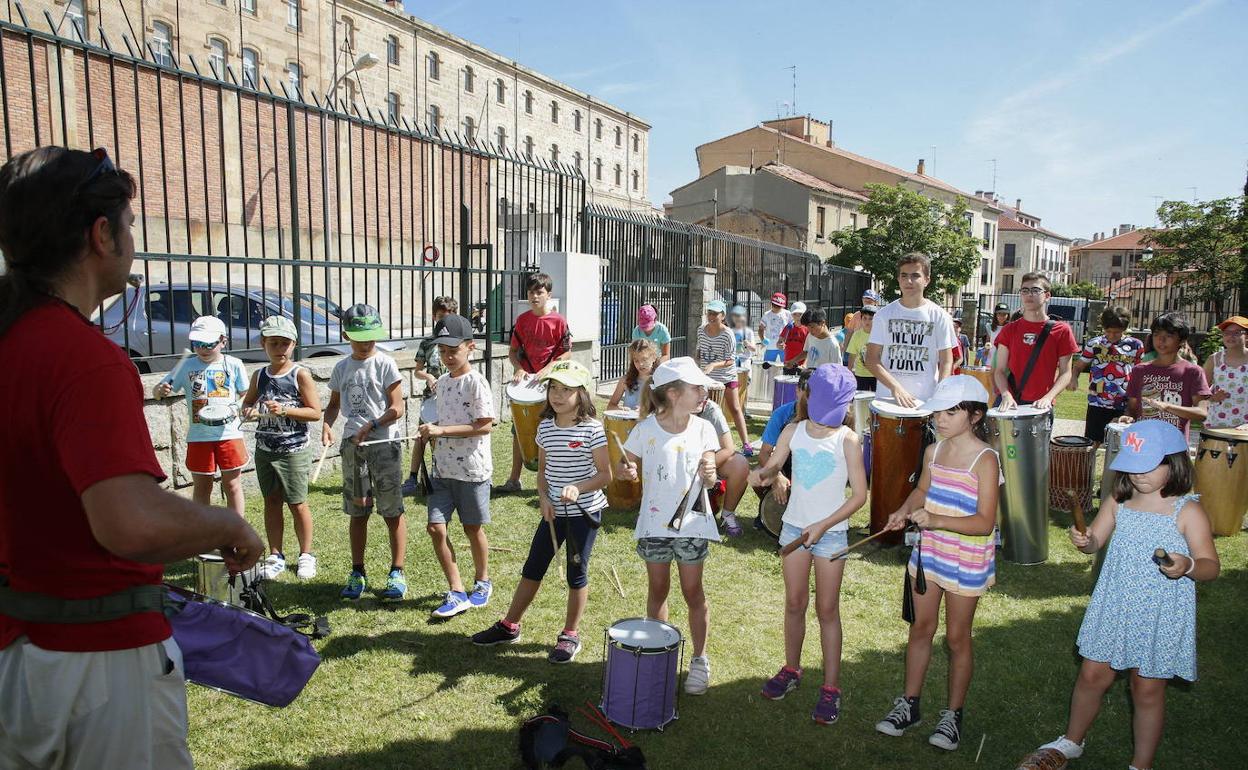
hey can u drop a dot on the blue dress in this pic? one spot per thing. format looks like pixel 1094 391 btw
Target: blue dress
pixel 1139 618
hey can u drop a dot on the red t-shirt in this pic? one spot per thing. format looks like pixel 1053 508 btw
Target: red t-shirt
pixel 794 337
pixel 1018 337
pixel 72 411
pixel 1182 384
pixel 541 339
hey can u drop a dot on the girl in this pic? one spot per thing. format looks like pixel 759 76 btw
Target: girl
pixel 572 470
pixel 955 505
pixel 826 454
pixel 743 354
pixel 1142 616
pixel 716 344
pixel 677 457
pixel 643 356
pixel 1227 373
pixel 651 329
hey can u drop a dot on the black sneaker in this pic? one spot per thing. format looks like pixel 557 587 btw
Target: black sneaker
pixel 948 730
pixel 496 634
pixel 905 714
pixel 566 648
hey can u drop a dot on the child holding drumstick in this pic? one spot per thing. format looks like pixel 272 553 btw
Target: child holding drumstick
pixel 677 457
pixel 955 505
pixel 827 454
pixel 1142 615
pixel 643 356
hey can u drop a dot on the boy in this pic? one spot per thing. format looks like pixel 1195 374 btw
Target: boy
pixel 820 347
pixel 462 464
pixel 428 370
pixel 774 321
pixel 793 339
pixel 211 377
pixel 856 350
pixel 1033 352
pixel 539 338
pixel 1110 358
pixel 963 352
pixel 289 401
pixel 1168 387
pixel 911 344
pixel 372 476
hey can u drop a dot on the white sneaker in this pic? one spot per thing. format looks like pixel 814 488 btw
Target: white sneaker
pixel 306 569
pixel 699 678
pixel 273 567
pixel 1066 746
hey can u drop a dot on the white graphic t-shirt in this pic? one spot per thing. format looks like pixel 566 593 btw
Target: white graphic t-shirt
pixel 773 322
pixel 462 401
pixel 912 339
pixel 669 464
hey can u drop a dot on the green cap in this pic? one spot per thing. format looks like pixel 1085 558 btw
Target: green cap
pixel 361 323
pixel 278 326
pixel 570 373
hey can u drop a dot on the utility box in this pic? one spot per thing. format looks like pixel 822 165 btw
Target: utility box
pixel 578 289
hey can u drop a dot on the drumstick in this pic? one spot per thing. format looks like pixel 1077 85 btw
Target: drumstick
pixel 554 540
pixel 793 546
pixel 1161 558
pixel 1077 512
pixel 388 440
pixel 177 368
pixel 320 463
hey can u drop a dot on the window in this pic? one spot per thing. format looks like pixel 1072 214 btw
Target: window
pixel 433 66
pixel 597 128
pixel 636 143
pixel 554 153
pixel 470 130
pixel 218 51
pixel 576 160
pixel 619 175
pixel 987 235
pixel 985 270
pixel 576 121
pixel 77 18
pixel 821 215
pixel 500 91
pixel 1009 260
pixel 528 102
pixel 853 220
pixel 249 6
pixel 294 76
pixel 434 118
pixel 251 67
pixel 619 136
pixel 970 224
pixel 392 106
pixel 392 50
pixel 528 147
pixel 348 27
pixel 636 180
pixel 177 305
pixel 1037 255
pixel 469 79
pixel 292 14
pixel 554 111
pixel 598 169
pixel 162 39
pixel 1007 284
pixel 500 138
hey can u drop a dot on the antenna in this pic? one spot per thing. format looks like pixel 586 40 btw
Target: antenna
pixel 933 156
pixel 993 161
pixel 793 104
pixel 1193 189
pixel 1157 199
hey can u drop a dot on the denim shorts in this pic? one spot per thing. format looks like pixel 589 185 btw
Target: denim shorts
pixel 470 499
pixel 833 540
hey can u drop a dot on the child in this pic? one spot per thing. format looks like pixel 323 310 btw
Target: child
pixel 428 370
pixel 643 356
pixel 820 346
pixel 818 444
pixel 462 465
pixel 963 351
pixel 1142 616
pixel 651 329
pixel 539 338
pixel 793 340
pixel 367 387
pixel 573 469
pixel 211 377
pixel 289 401
pixel 773 322
pixel 983 354
pixel 1227 372
pixel 955 504
pixel 677 457
pixel 716 343
pixel 1110 359
pixel 1168 388
pixel 743 357
pixel 856 350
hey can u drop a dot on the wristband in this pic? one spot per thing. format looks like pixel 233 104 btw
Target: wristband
pixel 1188 573
pixel 373 424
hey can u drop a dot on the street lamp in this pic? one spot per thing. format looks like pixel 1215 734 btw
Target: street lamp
pixel 365 61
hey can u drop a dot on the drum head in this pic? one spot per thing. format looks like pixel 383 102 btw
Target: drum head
pixel 628 415
pixel 1017 413
pixel 864 395
pixel 1231 435
pixel 429 410
pixel 644 634
pixel 771 513
pixel 890 408
pixel 787 378
pixel 1071 442
pixel 529 391
pixel 209 557
pixel 216 414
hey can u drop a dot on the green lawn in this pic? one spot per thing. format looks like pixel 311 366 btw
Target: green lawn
pixel 396 690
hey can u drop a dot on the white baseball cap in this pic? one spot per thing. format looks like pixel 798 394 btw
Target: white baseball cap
pixel 952 391
pixel 207 328
pixel 683 369
pixel 797 308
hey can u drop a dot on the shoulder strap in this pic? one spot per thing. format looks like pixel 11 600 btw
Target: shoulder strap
pixel 1017 391
pixel 981 454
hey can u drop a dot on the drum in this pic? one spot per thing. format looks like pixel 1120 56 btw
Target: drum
pixel 642 658
pixel 429 409
pixel 528 399
pixel 862 424
pixel 217 415
pixel 897 441
pixel 981 373
pixel 715 392
pixel 1071 463
pixel 621 495
pixel 762 381
pixel 1221 481
pixel 1021 438
pixel 771 513
pixel 743 385
pixel 1113 442
pixel 212 579
pixel 785 390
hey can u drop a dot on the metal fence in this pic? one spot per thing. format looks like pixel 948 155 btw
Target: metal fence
pixel 1148 296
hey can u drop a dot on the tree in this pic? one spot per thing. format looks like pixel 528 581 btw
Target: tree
pixel 1243 250
pixel 1085 289
pixel 1206 241
pixel 901 221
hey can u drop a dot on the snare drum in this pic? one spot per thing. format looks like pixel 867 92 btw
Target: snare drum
pixel 217 415
pixel 762 381
pixel 1222 478
pixel 897 435
pixel 1113 442
pixel 429 410
pixel 785 391
pixel 1021 438
pixel 1071 462
pixel 771 512
pixel 528 399
pixel 621 495
pixel 715 392
pixel 643 658
pixel 981 373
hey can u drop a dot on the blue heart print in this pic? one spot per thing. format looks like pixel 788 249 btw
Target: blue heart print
pixel 812 468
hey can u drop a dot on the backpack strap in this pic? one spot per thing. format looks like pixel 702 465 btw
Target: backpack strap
pixel 1017 390
pixel 33 607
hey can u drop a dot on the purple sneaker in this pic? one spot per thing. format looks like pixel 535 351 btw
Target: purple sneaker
pixel 782 683
pixel 732 526
pixel 828 709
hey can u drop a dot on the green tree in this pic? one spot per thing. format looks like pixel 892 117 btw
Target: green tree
pixel 1085 289
pixel 1206 240
pixel 901 221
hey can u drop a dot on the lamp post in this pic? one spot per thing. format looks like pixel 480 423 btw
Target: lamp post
pixel 365 61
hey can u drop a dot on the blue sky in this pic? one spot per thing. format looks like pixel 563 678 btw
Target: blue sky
pixel 1090 108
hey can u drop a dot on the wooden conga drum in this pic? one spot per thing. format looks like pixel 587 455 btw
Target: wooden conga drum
pixel 896 444
pixel 621 495
pixel 1222 478
pixel 528 399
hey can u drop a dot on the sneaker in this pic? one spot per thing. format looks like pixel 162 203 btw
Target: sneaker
pixel 566 648
pixel 481 592
pixel 411 487
pixel 948 730
pixel 305 568
pixel 748 450
pixel 905 714
pixel 828 708
pixel 455 602
pixel 783 683
pixel 699 678
pixel 273 567
pixel 496 634
pixel 507 488
pixel 355 586
pixel 396 586
pixel 1066 746
pixel 732 526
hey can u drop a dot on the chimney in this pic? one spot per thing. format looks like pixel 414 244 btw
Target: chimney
pixel 1115 232
pixel 1018 204
pixel 920 171
pixel 1125 229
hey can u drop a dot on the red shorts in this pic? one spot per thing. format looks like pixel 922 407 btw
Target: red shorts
pixel 208 457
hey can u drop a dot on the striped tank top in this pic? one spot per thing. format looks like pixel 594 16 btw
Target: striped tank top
pixel 960 564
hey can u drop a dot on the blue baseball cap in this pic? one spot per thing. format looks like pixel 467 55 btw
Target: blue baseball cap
pixel 832 389
pixel 1145 444
pixel 873 295
pixel 716 306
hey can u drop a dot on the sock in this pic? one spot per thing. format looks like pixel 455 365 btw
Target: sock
pixel 914 706
pixel 396 568
pixel 509 625
pixel 728 513
pixel 573 634
pixel 279 555
pixel 357 568
pixel 830 688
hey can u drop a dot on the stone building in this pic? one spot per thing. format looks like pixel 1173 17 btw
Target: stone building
pixel 1025 247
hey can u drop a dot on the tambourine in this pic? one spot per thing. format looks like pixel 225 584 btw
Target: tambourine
pixel 217 415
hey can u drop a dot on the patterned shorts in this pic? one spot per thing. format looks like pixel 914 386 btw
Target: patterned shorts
pixel 685 550
pixel 372 472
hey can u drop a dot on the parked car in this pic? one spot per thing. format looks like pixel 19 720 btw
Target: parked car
pixel 155 332
pixel 323 303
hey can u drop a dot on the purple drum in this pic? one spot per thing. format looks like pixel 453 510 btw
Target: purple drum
pixel 785 391
pixel 643 659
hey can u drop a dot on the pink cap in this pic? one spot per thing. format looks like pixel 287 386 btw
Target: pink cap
pixel 779 299
pixel 646 317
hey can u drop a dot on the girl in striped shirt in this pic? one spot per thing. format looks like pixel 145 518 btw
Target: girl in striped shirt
pixel 955 506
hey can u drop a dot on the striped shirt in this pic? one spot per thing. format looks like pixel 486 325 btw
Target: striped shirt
pixel 570 460
pixel 960 564
pixel 715 349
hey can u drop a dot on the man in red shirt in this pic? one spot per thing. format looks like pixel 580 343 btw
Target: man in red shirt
pixel 85 681
pixel 1017 342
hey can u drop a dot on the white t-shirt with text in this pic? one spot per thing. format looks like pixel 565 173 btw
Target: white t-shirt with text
pixel 912 339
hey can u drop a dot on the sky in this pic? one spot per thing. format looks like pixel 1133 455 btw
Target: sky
pixel 1093 111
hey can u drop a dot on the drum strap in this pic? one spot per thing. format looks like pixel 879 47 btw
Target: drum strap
pixel 35 607
pixel 1017 390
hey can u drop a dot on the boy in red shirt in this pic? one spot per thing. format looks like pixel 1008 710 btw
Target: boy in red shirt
pixel 1017 341
pixel 794 340
pixel 539 338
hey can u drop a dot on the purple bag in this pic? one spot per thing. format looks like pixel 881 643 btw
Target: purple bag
pixel 237 651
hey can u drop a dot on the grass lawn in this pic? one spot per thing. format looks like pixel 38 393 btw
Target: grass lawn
pixel 396 690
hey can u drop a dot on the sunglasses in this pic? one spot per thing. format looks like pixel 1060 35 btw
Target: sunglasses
pixel 204 345
pixel 104 165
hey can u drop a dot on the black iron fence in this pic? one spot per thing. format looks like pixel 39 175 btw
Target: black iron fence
pixel 1147 296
